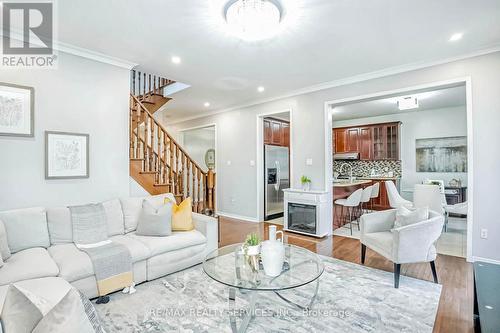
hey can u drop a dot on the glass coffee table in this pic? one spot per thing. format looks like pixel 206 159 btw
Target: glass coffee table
pixel 229 266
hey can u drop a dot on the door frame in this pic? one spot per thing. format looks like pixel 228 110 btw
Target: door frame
pixel 214 125
pixel 259 165
pixel 328 121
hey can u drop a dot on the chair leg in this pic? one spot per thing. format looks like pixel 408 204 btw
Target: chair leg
pixel 363 253
pixel 434 272
pixel 397 271
pixel 350 218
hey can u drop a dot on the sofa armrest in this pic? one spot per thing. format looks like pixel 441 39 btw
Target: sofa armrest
pixel 377 221
pixel 209 227
pixel 414 242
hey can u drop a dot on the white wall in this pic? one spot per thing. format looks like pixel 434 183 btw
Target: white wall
pixel 196 142
pixel 81 96
pixel 420 125
pixel 237 139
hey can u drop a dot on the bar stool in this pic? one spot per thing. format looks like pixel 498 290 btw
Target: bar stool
pixel 375 193
pixel 365 198
pixel 352 202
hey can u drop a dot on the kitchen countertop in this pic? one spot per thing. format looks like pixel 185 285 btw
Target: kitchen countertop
pixel 347 183
pixel 379 178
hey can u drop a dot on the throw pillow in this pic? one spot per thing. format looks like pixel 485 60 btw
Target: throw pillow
pixel 26 228
pixel 67 316
pixel 405 217
pixel 182 219
pixel 19 314
pixel 89 225
pixel 155 222
pixel 4 245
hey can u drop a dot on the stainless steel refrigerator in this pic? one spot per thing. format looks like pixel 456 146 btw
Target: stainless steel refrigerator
pixel 276 178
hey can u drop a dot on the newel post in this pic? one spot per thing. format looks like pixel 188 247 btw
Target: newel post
pixel 211 189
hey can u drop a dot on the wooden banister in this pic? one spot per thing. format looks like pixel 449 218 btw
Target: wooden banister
pixel 164 158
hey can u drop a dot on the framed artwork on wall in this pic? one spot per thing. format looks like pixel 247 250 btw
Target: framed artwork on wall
pixel 16 110
pixel 66 155
pixel 442 154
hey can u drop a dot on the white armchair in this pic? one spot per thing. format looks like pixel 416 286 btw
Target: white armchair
pixel 407 244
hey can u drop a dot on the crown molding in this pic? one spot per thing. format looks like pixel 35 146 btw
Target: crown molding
pixel 79 51
pixel 92 55
pixel 349 80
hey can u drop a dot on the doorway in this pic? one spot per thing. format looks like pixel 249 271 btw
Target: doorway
pixel 274 164
pixel 431 143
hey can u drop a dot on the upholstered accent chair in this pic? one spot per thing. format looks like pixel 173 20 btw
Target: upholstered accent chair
pixel 403 245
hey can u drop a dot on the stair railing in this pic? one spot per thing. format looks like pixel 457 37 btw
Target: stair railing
pixel 172 166
pixel 143 85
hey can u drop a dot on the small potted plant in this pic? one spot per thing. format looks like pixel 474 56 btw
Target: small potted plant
pixel 251 248
pixel 252 245
pixel 306 183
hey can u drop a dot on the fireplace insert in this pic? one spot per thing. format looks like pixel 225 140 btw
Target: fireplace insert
pixel 302 217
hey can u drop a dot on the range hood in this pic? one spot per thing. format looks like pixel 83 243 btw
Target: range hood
pixel 346 156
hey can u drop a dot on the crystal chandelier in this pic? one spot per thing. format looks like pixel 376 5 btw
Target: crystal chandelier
pixel 253 19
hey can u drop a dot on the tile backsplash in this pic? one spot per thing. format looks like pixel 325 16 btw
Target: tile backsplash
pixel 363 168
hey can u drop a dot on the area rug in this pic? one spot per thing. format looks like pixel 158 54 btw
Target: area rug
pixel 351 298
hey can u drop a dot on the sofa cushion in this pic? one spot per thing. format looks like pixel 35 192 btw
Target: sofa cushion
pixel 59 223
pixel 132 208
pixel 114 215
pixel 405 217
pixel 50 289
pixel 73 263
pixel 176 241
pixel 67 316
pixel 89 224
pixel 138 250
pixel 159 200
pixel 19 313
pixel 4 244
pixel 28 264
pixel 26 228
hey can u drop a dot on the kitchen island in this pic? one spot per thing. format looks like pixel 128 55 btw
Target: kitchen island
pixel 343 188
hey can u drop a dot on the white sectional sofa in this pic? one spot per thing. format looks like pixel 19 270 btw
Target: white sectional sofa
pixel 41 244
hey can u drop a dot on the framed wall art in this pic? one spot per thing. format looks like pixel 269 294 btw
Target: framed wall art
pixel 16 110
pixel 66 155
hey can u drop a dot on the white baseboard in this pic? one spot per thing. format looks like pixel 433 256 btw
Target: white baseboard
pixel 238 217
pixel 489 261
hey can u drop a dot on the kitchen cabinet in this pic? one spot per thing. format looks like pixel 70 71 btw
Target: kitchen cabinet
pixel 352 140
pixel 276 132
pixel 382 201
pixel 365 144
pixel 340 140
pixel 372 142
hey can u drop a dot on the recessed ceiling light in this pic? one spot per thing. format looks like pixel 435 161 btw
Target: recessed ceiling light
pixel 456 37
pixel 176 60
pixel 207 104
pixel 261 89
pixel 407 103
pixel 253 19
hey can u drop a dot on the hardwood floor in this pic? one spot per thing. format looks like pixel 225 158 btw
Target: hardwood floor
pixel 455 274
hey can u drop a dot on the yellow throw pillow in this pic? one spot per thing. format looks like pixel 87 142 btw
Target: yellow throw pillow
pixel 181 215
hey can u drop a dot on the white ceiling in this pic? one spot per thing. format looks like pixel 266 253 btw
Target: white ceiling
pixel 327 40
pixel 429 100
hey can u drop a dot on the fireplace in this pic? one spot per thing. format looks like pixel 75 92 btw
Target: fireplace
pixel 302 217
pixel 308 212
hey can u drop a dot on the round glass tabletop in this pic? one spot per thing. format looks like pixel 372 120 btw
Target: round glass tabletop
pixel 230 266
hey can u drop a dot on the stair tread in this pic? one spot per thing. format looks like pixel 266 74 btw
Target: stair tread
pixel 137 159
pixel 148 172
pixel 158 184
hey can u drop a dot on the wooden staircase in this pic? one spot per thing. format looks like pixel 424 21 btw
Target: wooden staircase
pixel 157 162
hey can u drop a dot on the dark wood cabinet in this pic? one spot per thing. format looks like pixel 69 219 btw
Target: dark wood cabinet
pixel 285 129
pixel 372 142
pixel 382 201
pixel 267 131
pixel 352 140
pixel 276 132
pixel 365 144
